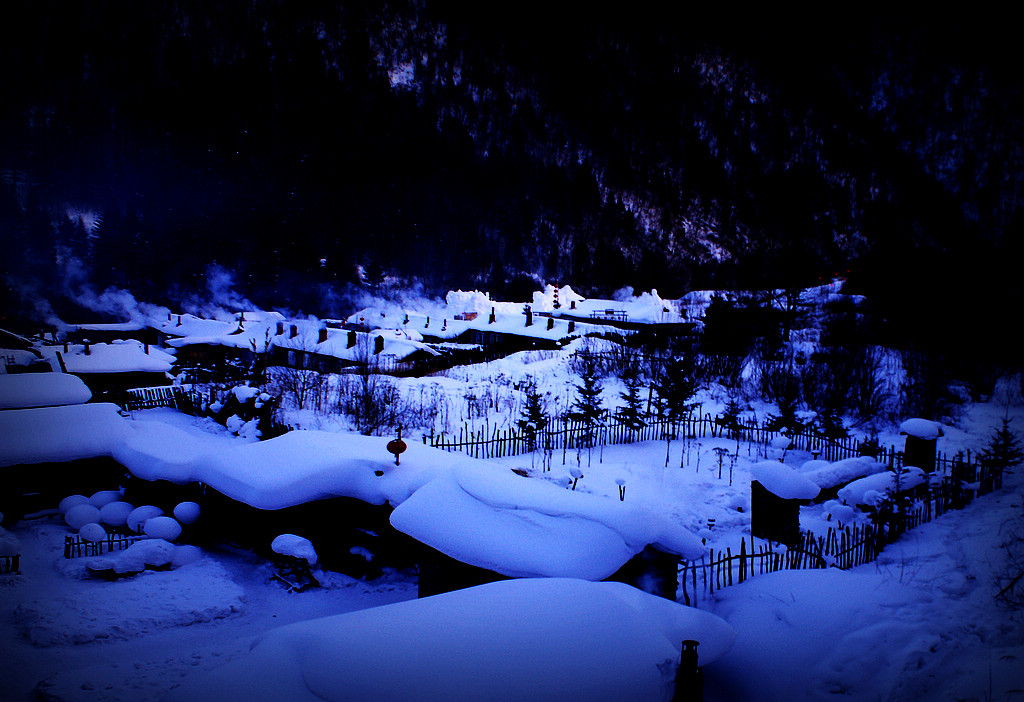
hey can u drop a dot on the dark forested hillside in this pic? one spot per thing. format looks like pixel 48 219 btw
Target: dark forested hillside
pixel 295 142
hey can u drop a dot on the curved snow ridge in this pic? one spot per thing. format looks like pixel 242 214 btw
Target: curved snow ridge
pixel 492 518
pixel 526 639
pixel 23 390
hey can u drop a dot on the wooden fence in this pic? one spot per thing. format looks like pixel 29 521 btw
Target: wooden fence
pixel 174 396
pixel 840 547
pixel 485 441
pixel 75 546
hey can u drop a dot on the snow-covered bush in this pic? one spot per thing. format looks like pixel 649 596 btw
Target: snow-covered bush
pixel 92 532
pixel 80 515
pixel 137 517
pixel 186 512
pixel 103 497
pixel 71 501
pixel 115 513
pixel 166 528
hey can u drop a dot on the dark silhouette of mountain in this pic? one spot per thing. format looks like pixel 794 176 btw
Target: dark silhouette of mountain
pixel 296 143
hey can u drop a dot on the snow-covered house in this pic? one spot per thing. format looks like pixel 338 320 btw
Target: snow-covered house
pixel 49 452
pixel 483 523
pixel 776 494
pixel 112 367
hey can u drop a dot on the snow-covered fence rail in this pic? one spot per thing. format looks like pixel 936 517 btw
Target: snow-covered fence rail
pixel 185 400
pixel 75 546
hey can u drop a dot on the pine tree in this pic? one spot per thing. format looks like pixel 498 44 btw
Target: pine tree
pixel 533 419
pixel 631 413
pixel 1004 448
pixel 588 407
pixel 675 388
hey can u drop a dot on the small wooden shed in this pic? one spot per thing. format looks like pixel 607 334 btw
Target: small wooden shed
pixel 776 495
pixel 922 436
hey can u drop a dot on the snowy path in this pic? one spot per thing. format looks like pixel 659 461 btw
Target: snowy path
pixel 919 624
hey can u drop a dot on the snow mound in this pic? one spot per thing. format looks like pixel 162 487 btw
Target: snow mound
pixel 860 492
pixel 527 639
pixel 921 428
pixel 80 515
pixel 21 390
pixel 136 519
pixel 186 512
pixel 491 518
pixel 783 481
pixel 93 532
pixel 115 513
pixel 166 528
pixel 829 475
pixel 294 546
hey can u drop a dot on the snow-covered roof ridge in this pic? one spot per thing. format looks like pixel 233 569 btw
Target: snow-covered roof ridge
pixel 526 639
pixel 25 390
pixel 489 517
pixel 829 475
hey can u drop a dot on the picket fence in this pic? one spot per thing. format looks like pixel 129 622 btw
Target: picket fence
pixel 75 546
pixel 486 441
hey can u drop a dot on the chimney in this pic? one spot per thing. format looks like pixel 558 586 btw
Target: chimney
pixel 551 323
pixel 294 332
pixel 280 329
pixel 321 335
pixel 85 347
pixel 572 304
pixel 378 344
pixel 179 321
pixel 529 316
pixel 491 320
pixel 351 339
pixel 572 327
pixel 689 676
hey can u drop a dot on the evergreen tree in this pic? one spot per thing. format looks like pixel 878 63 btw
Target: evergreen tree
pixel 534 418
pixel 675 387
pixel 631 414
pixel 587 405
pixel 1004 449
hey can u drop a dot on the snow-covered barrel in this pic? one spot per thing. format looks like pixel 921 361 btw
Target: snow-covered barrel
pixel 921 438
pixel 776 493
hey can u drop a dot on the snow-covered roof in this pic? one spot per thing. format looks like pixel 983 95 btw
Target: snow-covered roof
pixel 783 481
pixel 63 433
pixel 921 428
pixel 131 326
pixel 399 343
pixel 119 357
pixel 527 639
pixel 521 527
pixel 24 390
pixel 829 475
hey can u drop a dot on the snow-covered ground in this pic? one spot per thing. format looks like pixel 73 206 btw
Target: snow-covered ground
pixel 920 623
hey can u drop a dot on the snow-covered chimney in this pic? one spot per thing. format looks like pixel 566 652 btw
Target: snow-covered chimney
pixel 85 347
pixel 280 329
pixel 293 332
pixel 321 336
pixel 351 339
pixel 378 344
